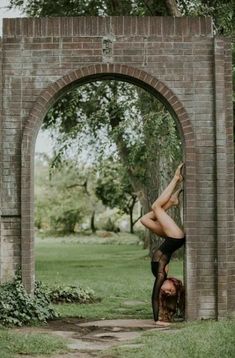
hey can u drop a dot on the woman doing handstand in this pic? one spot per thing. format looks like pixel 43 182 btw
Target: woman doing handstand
pixel 160 223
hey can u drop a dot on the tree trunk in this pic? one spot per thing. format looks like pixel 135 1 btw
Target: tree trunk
pixel 172 8
pixel 93 228
pixel 131 221
pixel 131 209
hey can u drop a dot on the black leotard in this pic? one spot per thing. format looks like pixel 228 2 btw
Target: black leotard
pixel 161 258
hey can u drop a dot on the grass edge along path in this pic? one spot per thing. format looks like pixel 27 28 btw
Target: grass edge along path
pixel 13 344
pixel 201 339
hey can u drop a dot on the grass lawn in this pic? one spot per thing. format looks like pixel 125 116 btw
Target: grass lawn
pixel 117 272
pixel 14 344
pixel 208 339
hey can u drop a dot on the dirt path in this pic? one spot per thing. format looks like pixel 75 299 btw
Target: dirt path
pixel 87 338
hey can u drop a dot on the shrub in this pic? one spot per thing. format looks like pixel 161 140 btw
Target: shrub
pixel 109 225
pixel 17 307
pixel 72 294
pixel 65 220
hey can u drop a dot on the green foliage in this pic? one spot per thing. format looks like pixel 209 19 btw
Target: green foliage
pixel 66 219
pixel 72 294
pixel 120 120
pixel 114 189
pixel 18 308
pixel 222 12
pixel 61 200
pixel 42 8
pixel 110 225
pixel 113 186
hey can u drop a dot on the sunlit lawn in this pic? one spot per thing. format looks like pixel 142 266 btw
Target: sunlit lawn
pixel 116 272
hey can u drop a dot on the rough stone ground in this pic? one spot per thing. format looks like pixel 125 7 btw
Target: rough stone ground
pixel 87 338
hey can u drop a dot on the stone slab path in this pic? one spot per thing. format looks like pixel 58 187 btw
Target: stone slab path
pixel 87 338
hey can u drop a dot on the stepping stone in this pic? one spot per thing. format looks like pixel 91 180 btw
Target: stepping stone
pixel 120 336
pixel 80 344
pixel 124 323
pixel 133 303
pixel 134 345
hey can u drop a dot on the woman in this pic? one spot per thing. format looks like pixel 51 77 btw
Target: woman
pixel 160 223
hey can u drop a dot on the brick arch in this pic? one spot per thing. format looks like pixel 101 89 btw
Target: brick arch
pixel 31 128
pixel 95 72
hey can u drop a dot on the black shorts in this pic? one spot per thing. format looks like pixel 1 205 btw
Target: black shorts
pixel 170 245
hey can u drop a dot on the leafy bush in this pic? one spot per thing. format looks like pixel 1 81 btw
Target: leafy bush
pixel 17 307
pixel 65 220
pixel 109 225
pixel 72 294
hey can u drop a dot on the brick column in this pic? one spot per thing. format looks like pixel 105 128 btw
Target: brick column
pixel 225 247
pixel 1 120
pixel 230 176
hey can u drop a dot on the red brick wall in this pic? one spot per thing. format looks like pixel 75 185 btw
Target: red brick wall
pixel 179 61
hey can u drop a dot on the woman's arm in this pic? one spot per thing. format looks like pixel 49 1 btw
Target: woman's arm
pixel 156 294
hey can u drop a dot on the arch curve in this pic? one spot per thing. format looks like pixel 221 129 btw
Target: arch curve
pixel 90 73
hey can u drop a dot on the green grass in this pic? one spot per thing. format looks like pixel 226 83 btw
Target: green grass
pixel 13 344
pixel 206 339
pixel 116 272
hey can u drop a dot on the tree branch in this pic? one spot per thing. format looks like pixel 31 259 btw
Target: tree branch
pixel 84 185
pixel 148 7
pixel 135 221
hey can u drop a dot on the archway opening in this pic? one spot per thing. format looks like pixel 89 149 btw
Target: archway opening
pixel 117 147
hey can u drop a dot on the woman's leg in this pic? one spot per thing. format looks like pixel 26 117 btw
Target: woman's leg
pixel 167 223
pixel 167 193
pixel 150 221
pixel 169 226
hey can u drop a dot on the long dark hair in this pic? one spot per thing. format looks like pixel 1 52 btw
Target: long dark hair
pixel 174 304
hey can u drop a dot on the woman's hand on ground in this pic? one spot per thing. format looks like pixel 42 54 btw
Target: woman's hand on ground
pixel 162 323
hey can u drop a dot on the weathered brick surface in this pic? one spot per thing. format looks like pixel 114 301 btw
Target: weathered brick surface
pixel 10 246
pixel 176 59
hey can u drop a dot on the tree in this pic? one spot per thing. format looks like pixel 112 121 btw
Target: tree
pixel 113 188
pixel 221 11
pixel 43 8
pixel 122 119
pixel 61 199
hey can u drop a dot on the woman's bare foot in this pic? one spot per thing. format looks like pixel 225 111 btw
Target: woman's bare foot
pixel 174 199
pixel 178 174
